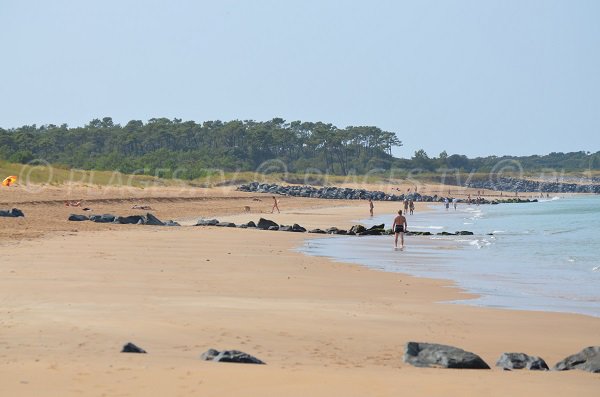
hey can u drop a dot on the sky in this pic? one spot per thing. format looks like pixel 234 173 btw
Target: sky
pixel 511 77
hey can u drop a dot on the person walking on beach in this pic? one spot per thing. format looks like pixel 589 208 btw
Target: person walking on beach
pixel 454 202
pixel 275 206
pixel 411 206
pixel 371 206
pixel 446 203
pixel 405 206
pixel 399 227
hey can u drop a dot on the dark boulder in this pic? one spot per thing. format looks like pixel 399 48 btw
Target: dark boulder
pixel 106 218
pixel 265 223
pixel 207 222
pixel 13 213
pixel 297 228
pixel 284 228
pixel 332 230
pixel 441 356
pixel 130 220
pixel 274 228
pixel 153 221
pixel 586 360
pixel 131 348
pixel 317 231
pixel 445 234
pixel 464 233
pixel 251 224
pixel 78 218
pixel 509 361
pixel 225 224
pixel 377 227
pixel 230 356
pixel 357 229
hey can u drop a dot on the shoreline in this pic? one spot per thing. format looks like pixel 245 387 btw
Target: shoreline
pixel 324 328
pixel 455 258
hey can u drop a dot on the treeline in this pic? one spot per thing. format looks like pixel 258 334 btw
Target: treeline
pixel 186 149
pixel 573 161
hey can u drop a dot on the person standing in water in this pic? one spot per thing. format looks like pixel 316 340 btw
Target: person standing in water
pixel 371 206
pixel 411 206
pixel 399 227
pixel 275 206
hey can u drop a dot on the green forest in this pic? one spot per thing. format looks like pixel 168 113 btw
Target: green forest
pixel 188 150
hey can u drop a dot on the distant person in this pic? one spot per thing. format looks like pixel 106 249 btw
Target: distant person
pixel 275 206
pixel 469 199
pixel 411 206
pixel 455 202
pixel 405 206
pixel 371 206
pixel 399 227
pixel 446 203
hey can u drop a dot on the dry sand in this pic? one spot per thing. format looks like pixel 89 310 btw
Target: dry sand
pixel 74 293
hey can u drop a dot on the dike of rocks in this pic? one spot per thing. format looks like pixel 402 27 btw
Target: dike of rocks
pixel 356 230
pixel 147 219
pixel 340 193
pixel 509 184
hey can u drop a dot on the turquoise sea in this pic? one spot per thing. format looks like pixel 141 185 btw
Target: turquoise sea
pixel 530 256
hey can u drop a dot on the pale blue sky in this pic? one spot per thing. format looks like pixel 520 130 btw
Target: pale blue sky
pixel 470 77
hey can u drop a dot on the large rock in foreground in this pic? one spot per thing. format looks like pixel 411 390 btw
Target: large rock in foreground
pixel 586 360
pixel 510 361
pixel 441 356
pixel 230 356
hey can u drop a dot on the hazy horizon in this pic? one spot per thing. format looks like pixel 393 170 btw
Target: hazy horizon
pixel 473 78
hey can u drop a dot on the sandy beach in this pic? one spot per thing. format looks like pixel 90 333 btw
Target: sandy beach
pixel 74 293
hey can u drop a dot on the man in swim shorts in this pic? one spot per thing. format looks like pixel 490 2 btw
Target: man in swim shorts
pixel 399 227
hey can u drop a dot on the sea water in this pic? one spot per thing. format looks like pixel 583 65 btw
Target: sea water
pixel 529 256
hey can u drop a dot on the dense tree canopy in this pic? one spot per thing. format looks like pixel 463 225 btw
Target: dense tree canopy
pixel 166 146
pixel 186 149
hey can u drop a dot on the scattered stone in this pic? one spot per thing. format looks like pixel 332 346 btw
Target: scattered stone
pixel 171 223
pixel 230 356
pixel 225 224
pixel 251 224
pixel 265 223
pixel 13 213
pixel 510 361
pixel 131 348
pixel 275 228
pixel 441 356
pixel 297 228
pixel 283 228
pixel 318 231
pixel 153 221
pixel 464 233
pixel 78 218
pixel 130 220
pixel 586 360
pixel 207 222
pixel 357 229
pixel 106 218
